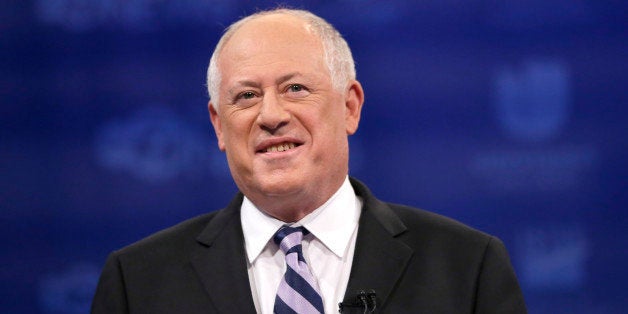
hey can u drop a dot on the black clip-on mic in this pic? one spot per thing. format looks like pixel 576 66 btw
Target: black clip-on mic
pixel 372 296
pixel 364 300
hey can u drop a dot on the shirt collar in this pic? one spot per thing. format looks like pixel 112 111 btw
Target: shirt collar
pixel 333 223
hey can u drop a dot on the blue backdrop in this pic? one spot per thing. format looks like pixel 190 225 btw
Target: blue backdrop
pixel 507 115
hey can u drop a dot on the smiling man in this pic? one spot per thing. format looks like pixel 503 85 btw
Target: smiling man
pixel 280 119
pixel 301 236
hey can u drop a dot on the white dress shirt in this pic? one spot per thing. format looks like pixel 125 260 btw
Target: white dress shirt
pixel 328 249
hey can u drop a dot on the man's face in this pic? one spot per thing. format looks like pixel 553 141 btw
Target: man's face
pixel 280 121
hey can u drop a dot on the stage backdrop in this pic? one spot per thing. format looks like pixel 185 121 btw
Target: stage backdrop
pixel 507 115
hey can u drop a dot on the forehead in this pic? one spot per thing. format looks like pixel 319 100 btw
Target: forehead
pixel 270 39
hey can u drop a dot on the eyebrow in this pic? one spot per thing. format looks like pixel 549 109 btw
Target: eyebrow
pixel 287 77
pixel 249 83
pixel 243 83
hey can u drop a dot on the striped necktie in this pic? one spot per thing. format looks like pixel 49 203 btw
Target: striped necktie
pixel 298 292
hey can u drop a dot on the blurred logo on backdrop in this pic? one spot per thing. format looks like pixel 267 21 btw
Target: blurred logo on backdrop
pixel 539 14
pixel 130 15
pixel 155 144
pixel 552 258
pixel 532 103
pixel 532 108
pixel 69 291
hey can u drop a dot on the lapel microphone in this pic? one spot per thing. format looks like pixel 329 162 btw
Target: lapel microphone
pixel 367 301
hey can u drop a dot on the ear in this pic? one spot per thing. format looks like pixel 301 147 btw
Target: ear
pixel 354 98
pixel 215 119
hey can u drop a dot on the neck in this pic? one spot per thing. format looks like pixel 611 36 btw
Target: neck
pixel 292 208
pixel 288 209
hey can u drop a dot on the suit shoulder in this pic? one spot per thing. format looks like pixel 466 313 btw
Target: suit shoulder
pixel 426 223
pixel 179 236
pixel 413 223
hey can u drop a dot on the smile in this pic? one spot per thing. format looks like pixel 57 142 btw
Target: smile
pixel 280 147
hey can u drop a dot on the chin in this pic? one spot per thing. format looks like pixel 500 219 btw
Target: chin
pixel 279 187
pixel 280 182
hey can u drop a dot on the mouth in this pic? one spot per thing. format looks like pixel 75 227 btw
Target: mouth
pixel 279 147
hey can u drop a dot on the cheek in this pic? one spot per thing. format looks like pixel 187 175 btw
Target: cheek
pixel 329 131
pixel 236 129
pixel 236 140
pixel 336 121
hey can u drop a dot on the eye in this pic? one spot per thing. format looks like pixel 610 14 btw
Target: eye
pixel 297 91
pixel 246 98
pixel 246 95
pixel 295 88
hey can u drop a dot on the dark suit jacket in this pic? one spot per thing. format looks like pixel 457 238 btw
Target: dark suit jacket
pixel 415 261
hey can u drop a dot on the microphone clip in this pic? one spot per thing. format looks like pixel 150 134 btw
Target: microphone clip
pixel 367 301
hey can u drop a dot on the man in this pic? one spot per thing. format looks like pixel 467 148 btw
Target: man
pixel 302 236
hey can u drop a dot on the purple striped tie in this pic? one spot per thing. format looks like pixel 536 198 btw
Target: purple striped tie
pixel 298 291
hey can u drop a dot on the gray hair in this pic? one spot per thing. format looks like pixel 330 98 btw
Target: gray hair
pixel 337 53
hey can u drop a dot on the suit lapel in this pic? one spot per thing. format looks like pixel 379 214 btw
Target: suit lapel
pixel 378 263
pixel 379 259
pixel 220 261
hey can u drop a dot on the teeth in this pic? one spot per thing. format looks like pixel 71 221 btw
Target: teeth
pixel 280 147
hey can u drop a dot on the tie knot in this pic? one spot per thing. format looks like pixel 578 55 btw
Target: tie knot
pixel 289 238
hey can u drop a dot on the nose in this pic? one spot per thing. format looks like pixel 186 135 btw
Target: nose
pixel 272 114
